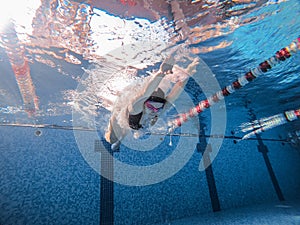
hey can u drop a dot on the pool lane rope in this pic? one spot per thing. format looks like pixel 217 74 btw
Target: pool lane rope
pixel 261 125
pixel 39 127
pixel 263 67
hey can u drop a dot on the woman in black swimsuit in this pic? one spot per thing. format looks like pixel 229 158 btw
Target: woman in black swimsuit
pixel 152 101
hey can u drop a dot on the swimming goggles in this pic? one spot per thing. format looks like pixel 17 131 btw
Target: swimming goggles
pixel 152 107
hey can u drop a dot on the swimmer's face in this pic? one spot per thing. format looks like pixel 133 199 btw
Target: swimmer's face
pixel 153 109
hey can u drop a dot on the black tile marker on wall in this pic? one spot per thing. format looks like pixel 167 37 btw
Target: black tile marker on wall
pixel 106 185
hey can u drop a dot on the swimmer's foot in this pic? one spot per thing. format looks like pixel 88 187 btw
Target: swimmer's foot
pixel 116 146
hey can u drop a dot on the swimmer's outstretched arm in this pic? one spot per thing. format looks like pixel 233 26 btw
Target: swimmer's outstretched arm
pixel 179 87
pixel 165 67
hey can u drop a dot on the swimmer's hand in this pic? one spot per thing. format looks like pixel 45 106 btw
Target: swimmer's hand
pixel 116 146
pixel 167 65
pixel 191 69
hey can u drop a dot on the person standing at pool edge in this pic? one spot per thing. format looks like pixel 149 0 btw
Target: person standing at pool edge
pixel 144 108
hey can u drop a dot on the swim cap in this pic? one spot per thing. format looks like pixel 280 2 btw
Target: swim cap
pixel 157 96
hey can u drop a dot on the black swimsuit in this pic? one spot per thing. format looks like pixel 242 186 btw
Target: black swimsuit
pixel 134 121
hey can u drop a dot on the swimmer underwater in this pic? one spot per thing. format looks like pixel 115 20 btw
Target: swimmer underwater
pixel 145 107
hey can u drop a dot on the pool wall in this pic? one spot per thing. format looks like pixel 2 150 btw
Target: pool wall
pixel 45 180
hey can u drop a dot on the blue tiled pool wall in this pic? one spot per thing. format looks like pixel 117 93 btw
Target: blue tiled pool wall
pixel 241 178
pixel 269 213
pixel 45 180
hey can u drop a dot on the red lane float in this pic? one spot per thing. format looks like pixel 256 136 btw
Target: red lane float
pixel 263 67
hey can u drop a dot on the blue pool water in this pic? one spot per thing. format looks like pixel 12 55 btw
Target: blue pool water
pixel 64 63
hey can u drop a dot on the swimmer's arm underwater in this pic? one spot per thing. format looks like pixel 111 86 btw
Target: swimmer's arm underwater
pixel 166 67
pixel 138 104
pixel 179 86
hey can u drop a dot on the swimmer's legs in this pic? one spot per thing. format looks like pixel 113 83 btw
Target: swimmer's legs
pixel 111 134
